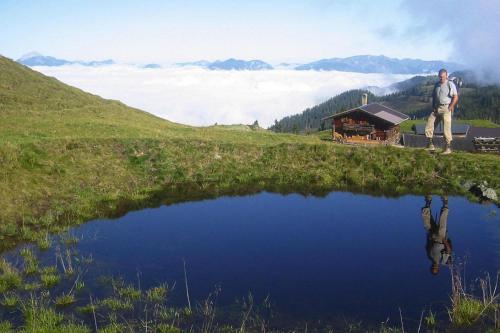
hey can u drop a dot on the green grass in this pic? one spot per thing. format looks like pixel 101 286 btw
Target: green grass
pixel 5 327
pixel 43 313
pixel 30 261
pixel 40 319
pixel 157 294
pixel 67 156
pixel 79 285
pixel 112 328
pixel 44 242
pixel 32 286
pixel 167 328
pixel 430 319
pixel 10 278
pixel 10 300
pixel 87 309
pixel 64 300
pixel 49 277
pixel 238 127
pixel 129 292
pixel 116 304
pixel 467 311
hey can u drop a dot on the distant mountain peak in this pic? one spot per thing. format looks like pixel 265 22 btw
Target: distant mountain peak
pixel 238 64
pixel 29 55
pixel 152 66
pixel 37 59
pixel 230 64
pixel 200 63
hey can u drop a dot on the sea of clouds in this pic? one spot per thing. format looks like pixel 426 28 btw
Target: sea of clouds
pixel 201 97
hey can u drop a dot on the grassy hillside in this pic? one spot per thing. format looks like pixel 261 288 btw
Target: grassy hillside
pixel 33 106
pixel 67 156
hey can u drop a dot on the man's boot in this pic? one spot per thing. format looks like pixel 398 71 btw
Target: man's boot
pixel 428 200
pixel 444 198
pixel 447 149
pixel 430 145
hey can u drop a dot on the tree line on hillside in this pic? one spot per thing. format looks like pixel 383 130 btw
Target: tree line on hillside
pixel 414 99
pixel 310 119
pixel 481 103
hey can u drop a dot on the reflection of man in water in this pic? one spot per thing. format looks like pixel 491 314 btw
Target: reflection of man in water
pixel 438 245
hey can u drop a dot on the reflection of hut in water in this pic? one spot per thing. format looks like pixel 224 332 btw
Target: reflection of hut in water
pixel 368 123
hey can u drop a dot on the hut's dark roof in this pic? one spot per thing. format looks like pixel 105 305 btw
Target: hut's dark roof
pixel 483 132
pixel 456 129
pixel 377 110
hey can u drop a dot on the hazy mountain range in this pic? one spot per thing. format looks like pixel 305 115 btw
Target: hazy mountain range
pixel 200 63
pixel 36 59
pixel 152 66
pixel 230 64
pixel 358 64
pixel 380 64
pixel 236 64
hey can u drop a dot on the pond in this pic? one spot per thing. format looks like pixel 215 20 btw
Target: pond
pixel 344 255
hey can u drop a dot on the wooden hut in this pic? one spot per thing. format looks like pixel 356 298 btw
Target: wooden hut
pixel 368 123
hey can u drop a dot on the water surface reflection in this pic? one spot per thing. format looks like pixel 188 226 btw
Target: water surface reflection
pixel 342 254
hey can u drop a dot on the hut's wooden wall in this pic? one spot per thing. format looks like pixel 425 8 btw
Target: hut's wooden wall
pixel 382 130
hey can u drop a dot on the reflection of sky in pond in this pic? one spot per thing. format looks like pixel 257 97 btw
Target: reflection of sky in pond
pixel 346 254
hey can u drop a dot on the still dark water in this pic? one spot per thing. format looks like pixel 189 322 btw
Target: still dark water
pixel 343 255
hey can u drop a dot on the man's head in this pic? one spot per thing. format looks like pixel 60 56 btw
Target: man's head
pixel 443 75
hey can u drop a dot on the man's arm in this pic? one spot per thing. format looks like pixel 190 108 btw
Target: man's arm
pixel 447 246
pixel 454 99
pixel 454 102
pixel 434 98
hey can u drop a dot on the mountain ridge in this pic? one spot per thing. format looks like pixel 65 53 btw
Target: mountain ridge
pixel 380 64
pixel 237 64
pixel 229 64
pixel 357 64
pixel 36 59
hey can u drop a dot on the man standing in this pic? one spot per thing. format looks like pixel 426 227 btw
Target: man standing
pixel 444 100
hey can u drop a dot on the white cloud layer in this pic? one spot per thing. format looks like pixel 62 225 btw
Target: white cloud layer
pixel 200 97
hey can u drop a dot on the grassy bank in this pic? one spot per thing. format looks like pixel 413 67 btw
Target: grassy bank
pixel 52 182
pixel 67 156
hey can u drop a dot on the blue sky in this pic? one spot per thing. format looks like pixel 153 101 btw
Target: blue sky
pixel 170 31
